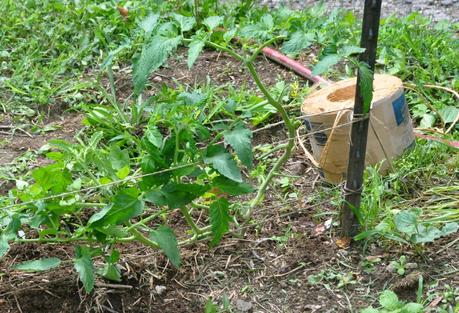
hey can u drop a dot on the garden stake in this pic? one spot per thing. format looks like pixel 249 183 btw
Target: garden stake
pixel 359 132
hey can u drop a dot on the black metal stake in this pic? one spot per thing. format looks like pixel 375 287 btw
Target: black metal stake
pixel 359 132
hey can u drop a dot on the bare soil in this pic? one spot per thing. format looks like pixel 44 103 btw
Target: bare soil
pixel 270 269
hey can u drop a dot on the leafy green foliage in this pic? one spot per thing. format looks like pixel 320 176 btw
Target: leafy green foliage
pixel 221 160
pixel 326 63
pixel 84 266
pixel 186 23
pixel 390 303
pixel 298 42
pixel 153 55
pixel 165 238
pixel 240 139
pixel 366 86
pixel 219 218
pixel 43 264
pixel 194 50
pixel 212 22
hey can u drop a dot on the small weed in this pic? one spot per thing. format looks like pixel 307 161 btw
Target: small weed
pixel 399 266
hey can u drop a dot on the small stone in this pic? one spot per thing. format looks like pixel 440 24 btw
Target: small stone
pixel 446 2
pixel 157 79
pixel 244 306
pixel 411 266
pixel 160 289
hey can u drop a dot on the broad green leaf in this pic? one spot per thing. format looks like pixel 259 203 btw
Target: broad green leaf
pixel 153 55
pixel 156 197
pixel 11 230
pixel 4 245
pixel 231 187
pixel 389 300
pixel 110 271
pixel 449 228
pixel 299 41
pixel 113 231
pixel 326 62
pixel 212 21
pixel 179 195
pixel 186 23
pixel 123 172
pixel 84 267
pixel 426 234
pixel 427 121
pixel 349 50
pixel 192 98
pixel 37 265
pixel 194 50
pixel 366 86
pixel 240 138
pixel 406 222
pixel 154 136
pixel 149 23
pixel 118 158
pixel 210 307
pixel 125 206
pixel 449 114
pixel 99 215
pixel 229 35
pixel 222 162
pixel 219 219
pixel 165 238
pixel 412 308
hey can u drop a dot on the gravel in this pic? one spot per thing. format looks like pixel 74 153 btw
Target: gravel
pixel 435 9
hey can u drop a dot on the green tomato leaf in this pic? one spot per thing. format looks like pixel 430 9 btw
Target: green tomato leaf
pixel 194 50
pixel 326 62
pixel 212 21
pixel 179 195
pixel 154 136
pixel 39 265
pixel 84 267
pixel 153 55
pixel 231 187
pixel 165 238
pixel 186 23
pixel 389 300
pixel 240 138
pixel 366 85
pixel 298 42
pixel 222 162
pixel 110 272
pixel 229 35
pixel 125 206
pixel 118 158
pixel 219 219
